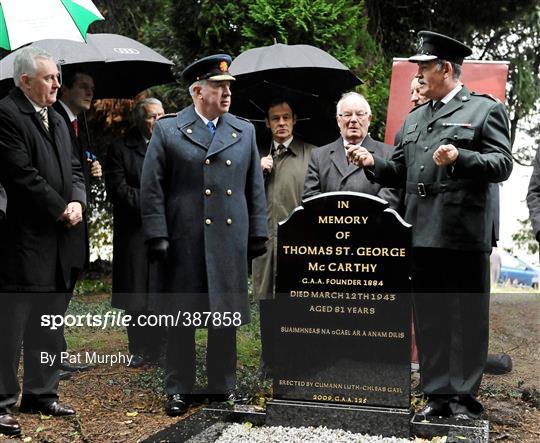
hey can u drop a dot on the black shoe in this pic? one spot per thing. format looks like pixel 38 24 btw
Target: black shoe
pixel 230 396
pixel 9 425
pixel 74 367
pixel 54 408
pixel 137 361
pixel 64 375
pixel 498 364
pixel 177 404
pixel 435 408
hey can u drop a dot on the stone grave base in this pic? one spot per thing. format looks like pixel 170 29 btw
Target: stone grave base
pixel 207 424
pixel 387 422
pixel 456 431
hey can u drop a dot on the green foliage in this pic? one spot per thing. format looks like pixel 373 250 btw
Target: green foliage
pixel 524 237
pixel 92 287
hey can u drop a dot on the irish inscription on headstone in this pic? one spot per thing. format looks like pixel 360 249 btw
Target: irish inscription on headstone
pixel 342 309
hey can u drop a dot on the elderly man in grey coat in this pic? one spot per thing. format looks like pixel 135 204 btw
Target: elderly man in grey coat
pixel 204 214
pixel 329 169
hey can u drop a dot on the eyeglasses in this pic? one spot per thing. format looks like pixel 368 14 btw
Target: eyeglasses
pixel 349 115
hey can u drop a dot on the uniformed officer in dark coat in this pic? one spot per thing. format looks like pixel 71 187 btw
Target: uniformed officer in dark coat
pixel 130 285
pixel 204 214
pixel 45 199
pixel 451 149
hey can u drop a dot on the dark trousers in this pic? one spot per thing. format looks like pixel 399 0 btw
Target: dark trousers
pixel 20 323
pixel 451 309
pixel 220 360
pixel 145 340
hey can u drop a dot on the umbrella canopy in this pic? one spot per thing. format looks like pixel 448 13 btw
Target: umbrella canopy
pixel 121 67
pixel 308 77
pixel 26 21
pixel 301 67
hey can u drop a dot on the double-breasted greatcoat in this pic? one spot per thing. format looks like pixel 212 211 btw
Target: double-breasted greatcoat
pixel 123 171
pixel 206 196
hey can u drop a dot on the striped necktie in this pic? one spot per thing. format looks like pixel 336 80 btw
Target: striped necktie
pixel 44 115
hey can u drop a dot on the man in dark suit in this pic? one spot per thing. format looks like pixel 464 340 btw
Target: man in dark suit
pixel 451 149
pixel 329 170
pixel 204 214
pixel 284 169
pixel 130 265
pixel 75 98
pixel 46 196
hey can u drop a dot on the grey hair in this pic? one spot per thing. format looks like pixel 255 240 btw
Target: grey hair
pixel 346 95
pixel 456 69
pixel 25 62
pixel 139 113
pixel 201 83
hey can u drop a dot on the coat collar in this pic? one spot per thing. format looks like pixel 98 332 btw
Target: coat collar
pixel 457 101
pixel 228 131
pixel 338 158
pixel 136 142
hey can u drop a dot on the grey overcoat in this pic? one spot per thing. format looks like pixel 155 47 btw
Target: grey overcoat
pixel 206 196
pixel 283 185
pixel 329 171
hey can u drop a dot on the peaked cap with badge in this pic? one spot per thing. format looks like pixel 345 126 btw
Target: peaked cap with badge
pixel 213 67
pixel 434 46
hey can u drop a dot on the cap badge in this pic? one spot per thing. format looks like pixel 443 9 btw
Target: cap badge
pixel 223 66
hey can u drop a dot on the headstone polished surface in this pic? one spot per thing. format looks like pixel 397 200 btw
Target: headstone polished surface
pixel 342 311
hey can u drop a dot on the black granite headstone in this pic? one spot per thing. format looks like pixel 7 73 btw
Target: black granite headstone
pixel 342 312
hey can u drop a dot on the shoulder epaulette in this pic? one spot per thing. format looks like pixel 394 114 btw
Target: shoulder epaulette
pixel 490 96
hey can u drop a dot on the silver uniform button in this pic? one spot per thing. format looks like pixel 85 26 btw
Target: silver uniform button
pixel 208 221
pixel 234 134
pixel 207 161
pixel 189 130
pixel 228 163
pixel 229 221
pixel 229 192
pixel 208 192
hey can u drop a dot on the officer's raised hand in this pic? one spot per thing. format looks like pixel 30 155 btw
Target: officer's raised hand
pixel 445 155
pixel 157 249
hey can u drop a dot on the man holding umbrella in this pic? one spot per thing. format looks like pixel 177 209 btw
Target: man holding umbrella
pixel 75 98
pixel 284 169
pixel 450 151
pixel 46 196
pixel 204 214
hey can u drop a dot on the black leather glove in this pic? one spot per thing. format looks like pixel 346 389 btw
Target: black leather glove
pixel 157 249
pixel 256 247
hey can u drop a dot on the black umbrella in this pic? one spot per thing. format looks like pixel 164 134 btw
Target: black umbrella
pixel 121 67
pixel 308 76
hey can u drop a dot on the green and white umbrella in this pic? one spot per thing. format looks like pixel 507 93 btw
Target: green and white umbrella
pixel 26 21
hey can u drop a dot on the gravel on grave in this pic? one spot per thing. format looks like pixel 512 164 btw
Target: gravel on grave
pixel 244 433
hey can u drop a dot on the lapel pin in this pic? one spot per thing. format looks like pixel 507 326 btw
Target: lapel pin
pixel 234 134
pixel 189 130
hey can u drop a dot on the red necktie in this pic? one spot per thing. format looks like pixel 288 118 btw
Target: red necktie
pixel 75 124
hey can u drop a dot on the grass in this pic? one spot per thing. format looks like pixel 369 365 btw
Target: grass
pixel 93 297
